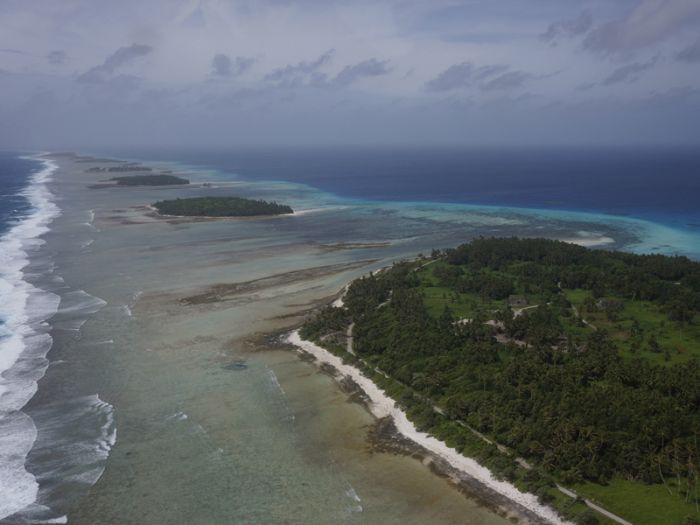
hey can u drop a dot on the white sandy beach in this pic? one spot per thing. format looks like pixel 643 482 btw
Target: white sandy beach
pixel 590 242
pixel 382 406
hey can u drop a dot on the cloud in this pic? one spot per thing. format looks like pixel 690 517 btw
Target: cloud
pixel 569 28
pixel 676 95
pixel 455 76
pixel 484 72
pixel 120 57
pixel 367 68
pixel 301 73
pixel 57 57
pixel 11 51
pixel 650 22
pixel 488 78
pixel 690 53
pixel 628 73
pixel 586 86
pixel 223 66
pixel 508 80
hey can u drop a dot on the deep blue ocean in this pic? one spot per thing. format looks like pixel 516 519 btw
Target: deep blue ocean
pixel 14 177
pixel 660 185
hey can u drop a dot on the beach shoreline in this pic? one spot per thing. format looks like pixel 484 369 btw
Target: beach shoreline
pixel 198 283
pixel 382 406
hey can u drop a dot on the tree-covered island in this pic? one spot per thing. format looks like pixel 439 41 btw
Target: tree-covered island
pixel 221 207
pixel 582 364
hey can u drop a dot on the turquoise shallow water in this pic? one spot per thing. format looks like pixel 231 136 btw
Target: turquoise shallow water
pixel 635 234
pixel 276 441
pixel 659 186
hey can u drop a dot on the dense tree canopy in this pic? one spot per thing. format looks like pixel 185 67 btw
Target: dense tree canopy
pixel 221 207
pixel 582 401
pixel 149 180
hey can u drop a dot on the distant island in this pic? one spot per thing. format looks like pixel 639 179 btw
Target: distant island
pixel 220 207
pixel 149 180
pixel 581 365
pixel 124 168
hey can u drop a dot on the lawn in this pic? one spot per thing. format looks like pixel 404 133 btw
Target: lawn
pixel 640 503
pixel 678 343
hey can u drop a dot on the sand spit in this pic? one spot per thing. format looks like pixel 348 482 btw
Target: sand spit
pixel 590 242
pixel 224 292
pixel 354 245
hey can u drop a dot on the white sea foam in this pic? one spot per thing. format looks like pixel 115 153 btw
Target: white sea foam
pixel 72 444
pixel 280 397
pixel 356 506
pixel 91 220
pixel 75 308
pixel 177 416
pixel 24 340
pixel 382 405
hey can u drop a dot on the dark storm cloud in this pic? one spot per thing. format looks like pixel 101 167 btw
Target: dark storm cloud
pixel 690 53
pixel 488 78
pixel 366 68
pixel 629 72
pixel 120 57
pixel 223 66
pixel 56 57
pixel 569 28
pixel 301 73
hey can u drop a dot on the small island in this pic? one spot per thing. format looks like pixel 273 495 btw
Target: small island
pixel 149 180
pixel 221 207
pixel 130 166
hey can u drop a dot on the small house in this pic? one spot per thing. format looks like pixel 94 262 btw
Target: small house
pixel 517 301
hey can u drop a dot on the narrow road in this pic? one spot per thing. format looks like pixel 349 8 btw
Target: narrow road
pixel 348 339
pixel 578 314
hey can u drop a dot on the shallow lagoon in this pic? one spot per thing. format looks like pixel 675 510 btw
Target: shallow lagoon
pixel 276 441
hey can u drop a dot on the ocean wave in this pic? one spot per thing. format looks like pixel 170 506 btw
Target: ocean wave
pixel 24 339
pixel 68 456
pixel 279 397
pixel 75 308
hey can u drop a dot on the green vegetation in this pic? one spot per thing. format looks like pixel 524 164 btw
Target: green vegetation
pixel 220 207
pixel 149 180
pixel 583 362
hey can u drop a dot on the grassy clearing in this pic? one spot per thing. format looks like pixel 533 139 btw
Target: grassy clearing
pixel 678 343
pixel 640 503
pixel 463 305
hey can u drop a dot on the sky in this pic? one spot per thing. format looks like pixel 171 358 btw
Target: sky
pixel 221 73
